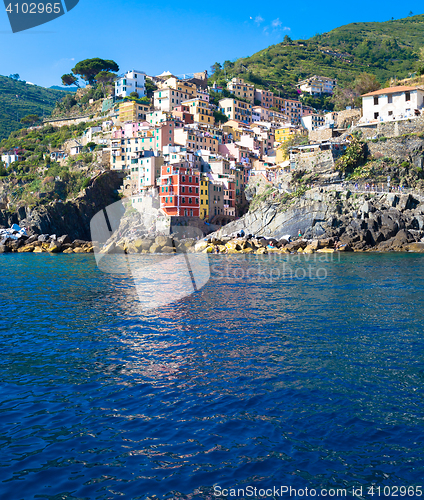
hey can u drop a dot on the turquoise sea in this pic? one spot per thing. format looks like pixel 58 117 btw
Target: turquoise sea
pixel 292 372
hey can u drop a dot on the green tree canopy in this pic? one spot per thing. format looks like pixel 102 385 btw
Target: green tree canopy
pixel 351 95
pixel 3 171
pixel 105 78
pixel 216 68
pixel 89 68
pixel 420 62
pixel 365 82
pixel 220 117
pixel 150 87
pixel 69 79
pixel 30 119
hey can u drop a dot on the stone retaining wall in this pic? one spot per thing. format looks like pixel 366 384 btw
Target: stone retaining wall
pixel 316 161
pixel 60 122
pixel 393 128
pixel 322 135
pixel 399 148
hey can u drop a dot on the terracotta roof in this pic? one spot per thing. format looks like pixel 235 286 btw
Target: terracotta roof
pixel 391 90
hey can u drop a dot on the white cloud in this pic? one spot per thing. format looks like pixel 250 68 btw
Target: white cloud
pixel 259 20
pixel 64 61
pixel 276 23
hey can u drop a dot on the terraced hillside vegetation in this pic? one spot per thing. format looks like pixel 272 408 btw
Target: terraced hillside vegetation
pixel 388 50
pixel 19 99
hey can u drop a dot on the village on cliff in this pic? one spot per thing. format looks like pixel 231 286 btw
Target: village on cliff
pixel 199 157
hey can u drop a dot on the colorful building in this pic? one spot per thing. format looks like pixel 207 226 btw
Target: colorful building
pixel 196 140
pixel 265 98
pixel 181 86
pixel 179 190
pixel 132 111
pixel 182 113
pixel 172 93
pixel 284 133
pixel 292 108
pixel 239 88
pixel 132 81
pixel 200 111
pixel 204 198
pixel 216 199
pixel 236 110
pixel 145 170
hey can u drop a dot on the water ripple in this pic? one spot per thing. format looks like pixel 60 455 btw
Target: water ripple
pixel 258 379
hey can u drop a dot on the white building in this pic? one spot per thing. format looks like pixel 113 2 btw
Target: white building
pixel 317 85
pixel 312 122
pixel 89 133
pixel 156 117
pixel 132 81
pixel 267 115
pixel 392 103
pixel 145 169
pixel 166 99
pixel 9 158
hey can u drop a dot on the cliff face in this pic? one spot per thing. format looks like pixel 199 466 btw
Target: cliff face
pixel 380 221
pixel 71 217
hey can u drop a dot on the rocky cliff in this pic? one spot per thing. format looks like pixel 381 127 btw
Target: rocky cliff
pixel 71 217
pixel 362 221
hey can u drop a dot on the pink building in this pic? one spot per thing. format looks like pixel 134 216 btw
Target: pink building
pixel 164 133
pixel 182 114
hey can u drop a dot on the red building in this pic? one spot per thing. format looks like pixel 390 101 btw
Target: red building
pixel 179 190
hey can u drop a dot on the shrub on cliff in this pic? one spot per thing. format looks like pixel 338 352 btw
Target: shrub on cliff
pixel 354 156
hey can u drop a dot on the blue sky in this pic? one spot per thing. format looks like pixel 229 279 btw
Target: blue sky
pixel 182 37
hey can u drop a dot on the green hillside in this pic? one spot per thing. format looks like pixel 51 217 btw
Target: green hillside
pixel 388 49
pixel 18 99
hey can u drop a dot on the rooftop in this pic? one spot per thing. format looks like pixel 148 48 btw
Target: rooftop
pixel 391 90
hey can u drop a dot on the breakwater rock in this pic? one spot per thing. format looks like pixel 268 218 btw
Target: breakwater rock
pixel 149 244
pixel 44 243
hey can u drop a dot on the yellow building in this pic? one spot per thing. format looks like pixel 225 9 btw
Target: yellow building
pixel 185 87
pixel 204 198
pixel 234 128
pixel 132 111
pixel 236 110
pixel 280 154
pixel 238 87
pixel 284 133
pixel 200 111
